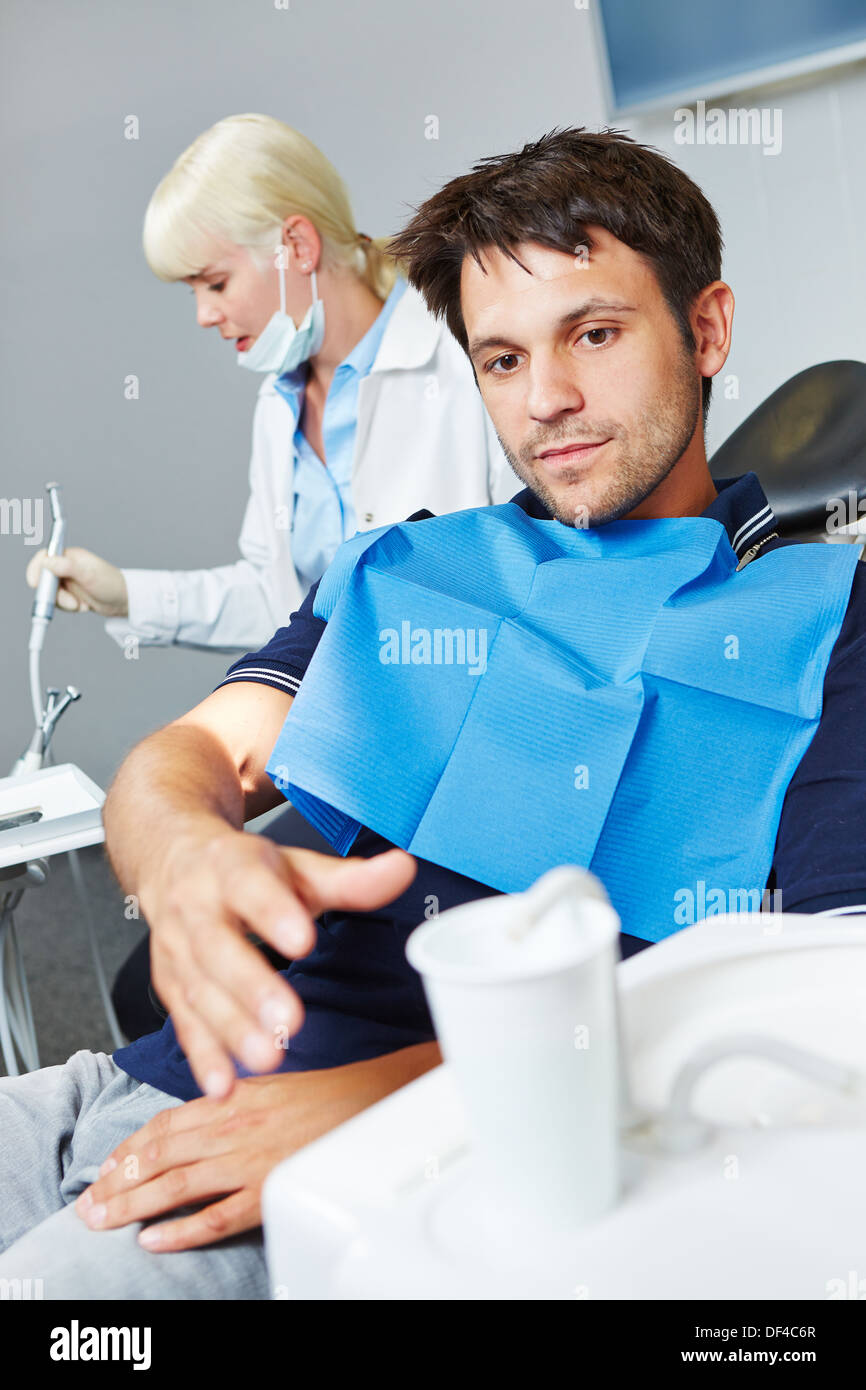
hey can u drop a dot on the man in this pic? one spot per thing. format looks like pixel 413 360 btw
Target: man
pixel 581 275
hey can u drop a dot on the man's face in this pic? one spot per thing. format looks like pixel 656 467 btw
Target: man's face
pixel 583 370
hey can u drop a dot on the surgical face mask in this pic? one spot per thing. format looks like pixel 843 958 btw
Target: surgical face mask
pixel 282 346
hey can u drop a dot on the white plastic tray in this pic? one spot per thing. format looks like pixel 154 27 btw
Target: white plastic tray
pixel 71 806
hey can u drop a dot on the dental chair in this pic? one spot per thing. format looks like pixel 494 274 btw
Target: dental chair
pixel 807 445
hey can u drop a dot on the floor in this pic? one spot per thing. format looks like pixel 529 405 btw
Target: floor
pixel 67 1008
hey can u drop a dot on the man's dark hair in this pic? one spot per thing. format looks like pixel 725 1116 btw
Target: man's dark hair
pixel 547 193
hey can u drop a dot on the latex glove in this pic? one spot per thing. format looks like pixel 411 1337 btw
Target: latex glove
pixel 87 582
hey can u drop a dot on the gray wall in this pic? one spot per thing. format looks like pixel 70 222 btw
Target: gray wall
pixel 162 481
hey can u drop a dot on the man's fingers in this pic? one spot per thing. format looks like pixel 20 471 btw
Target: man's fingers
pixel 154 1151
pixel 355 884
pixel 224 999
pixel 244 1001
pixel 156 1139
pixel 209 1061
pixel 178 1186
pixel 206 970
pixel 240 1212
pixel 256 1042
pixel 265 900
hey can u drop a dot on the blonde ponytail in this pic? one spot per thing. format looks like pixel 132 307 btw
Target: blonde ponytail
pixel 379 269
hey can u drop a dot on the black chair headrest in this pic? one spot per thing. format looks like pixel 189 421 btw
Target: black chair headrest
pixel 807 445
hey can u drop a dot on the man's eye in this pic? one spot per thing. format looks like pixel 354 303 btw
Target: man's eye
pixel 220 286
pixel 506 357
pixel 589 332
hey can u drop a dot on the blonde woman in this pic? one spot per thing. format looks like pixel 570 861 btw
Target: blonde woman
pixel 367 410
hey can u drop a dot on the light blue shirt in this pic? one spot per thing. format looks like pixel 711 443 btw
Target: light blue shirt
pixel 323 513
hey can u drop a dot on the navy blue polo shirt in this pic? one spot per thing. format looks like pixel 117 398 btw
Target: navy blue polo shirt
pixel 361 996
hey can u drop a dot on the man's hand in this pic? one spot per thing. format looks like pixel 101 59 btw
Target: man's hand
pixel 226 1148
pixel 223 997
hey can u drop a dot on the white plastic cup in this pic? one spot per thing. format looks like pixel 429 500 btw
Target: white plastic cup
pixel 522 990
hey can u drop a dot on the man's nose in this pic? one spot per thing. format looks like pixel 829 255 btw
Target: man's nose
pixel 553 388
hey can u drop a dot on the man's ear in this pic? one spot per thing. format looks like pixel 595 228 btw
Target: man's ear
pixel 712 317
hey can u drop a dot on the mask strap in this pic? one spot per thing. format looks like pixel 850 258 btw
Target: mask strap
pixel 282 270
pixel 282 274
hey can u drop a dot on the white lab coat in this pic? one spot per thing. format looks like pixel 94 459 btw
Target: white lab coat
pixel 423 439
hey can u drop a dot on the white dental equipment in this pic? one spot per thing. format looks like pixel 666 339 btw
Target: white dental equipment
pixel 742 1139
pixel 44 810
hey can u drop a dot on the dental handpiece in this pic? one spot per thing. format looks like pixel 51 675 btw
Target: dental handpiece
pixel 46 590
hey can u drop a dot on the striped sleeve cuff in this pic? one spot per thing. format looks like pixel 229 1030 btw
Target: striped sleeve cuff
pixel 265 673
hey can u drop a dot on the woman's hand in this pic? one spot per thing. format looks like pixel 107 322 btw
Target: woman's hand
pixel 87 582
pixel 201 903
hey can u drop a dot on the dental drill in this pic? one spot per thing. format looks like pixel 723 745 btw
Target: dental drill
pixel 43 603
pixel 46 592
pixel 45 716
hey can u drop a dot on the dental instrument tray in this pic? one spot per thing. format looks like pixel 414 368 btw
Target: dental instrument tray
pixel 48 812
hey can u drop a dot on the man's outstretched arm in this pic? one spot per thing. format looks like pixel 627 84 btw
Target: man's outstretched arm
pixel 174 819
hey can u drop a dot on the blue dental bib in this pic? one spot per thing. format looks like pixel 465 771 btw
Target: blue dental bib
pixel 500 694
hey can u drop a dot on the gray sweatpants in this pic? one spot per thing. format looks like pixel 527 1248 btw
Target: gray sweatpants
pixel 57 1126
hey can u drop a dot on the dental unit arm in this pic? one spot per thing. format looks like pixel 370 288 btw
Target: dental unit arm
pixel 45 809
